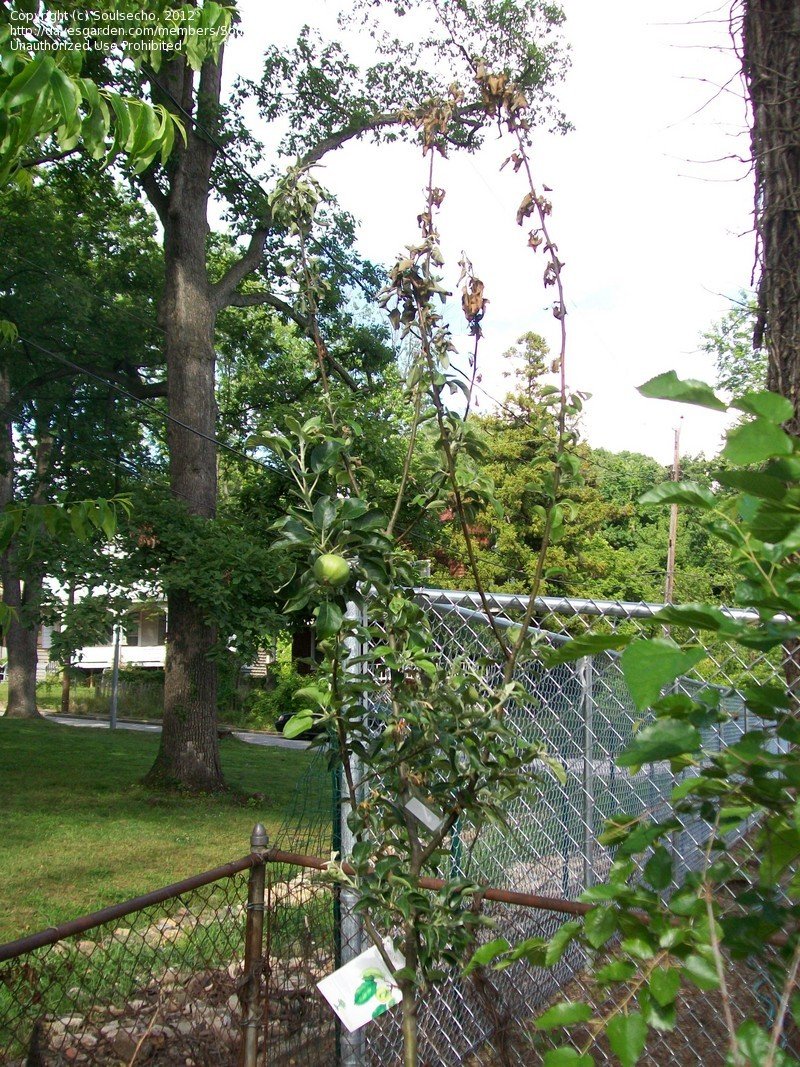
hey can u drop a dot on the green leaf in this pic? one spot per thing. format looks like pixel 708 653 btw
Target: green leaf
pixel 664 985
pixel 770 406
pixel 698 617
pixel 532 949
pixel 324 513
pixel 487 954
pixel 29 83
pixel 753 1042
pixel 763 486
pixel 701 971
pixel 329 619
pixel 600 925
pixel 638 948
pixel 310 695
pixel 658 869
pixel 372 520
pixel 669 386
pixel 756 441
pixel 298 724
pixel 583 646
pixel 567 1057
pixel 627 1035
pixel 662 740
pixel 649 665
pixel 679 493
pixel 559 941
pixel 781 847
pixel 65 95
pixel 657 1016
pixel 565 1014
pixel 618 971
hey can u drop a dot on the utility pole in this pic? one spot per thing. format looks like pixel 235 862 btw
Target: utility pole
pixel 669 586
pixel 112 711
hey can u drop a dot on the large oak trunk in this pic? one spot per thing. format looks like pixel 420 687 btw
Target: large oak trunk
pixel 21 671
pixel 189 752
pixel 19 633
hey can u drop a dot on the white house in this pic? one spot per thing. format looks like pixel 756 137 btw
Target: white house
pixel 143 644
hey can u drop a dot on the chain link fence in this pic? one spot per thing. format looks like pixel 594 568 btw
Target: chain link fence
pixel 584 715
pixel 155 980
pixel 192 975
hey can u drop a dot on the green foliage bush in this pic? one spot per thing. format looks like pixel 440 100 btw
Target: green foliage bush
pixel 265 705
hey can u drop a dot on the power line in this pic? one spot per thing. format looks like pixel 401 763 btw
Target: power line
pixel 146 404
pixel 73 284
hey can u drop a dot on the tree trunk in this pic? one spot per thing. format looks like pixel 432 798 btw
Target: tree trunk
pixel 771 63
pixel 66 685
pixel 20 630
pixel 189 750
pixel 21 671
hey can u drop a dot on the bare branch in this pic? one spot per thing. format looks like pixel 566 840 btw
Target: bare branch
pixel 50 157
pixel 222 292
pixel 262 298
pixel 347 133
pixel 154 193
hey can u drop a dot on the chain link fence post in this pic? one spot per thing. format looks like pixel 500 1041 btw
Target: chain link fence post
pixel 586 671
pixel 350 928
pixel 250 996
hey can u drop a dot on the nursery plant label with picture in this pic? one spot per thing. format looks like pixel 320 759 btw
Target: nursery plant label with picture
pixel 363 989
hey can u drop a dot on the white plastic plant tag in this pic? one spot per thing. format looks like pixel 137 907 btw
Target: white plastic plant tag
pixel 429 819
pixel 363 989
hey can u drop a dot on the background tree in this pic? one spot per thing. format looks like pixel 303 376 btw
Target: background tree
pixel 326 100
pixel 729 342
pixel 79 276
pixel 606 546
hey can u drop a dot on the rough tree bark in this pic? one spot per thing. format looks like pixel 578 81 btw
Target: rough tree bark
pixel 771 64
pixel 189 750
pixel 22 583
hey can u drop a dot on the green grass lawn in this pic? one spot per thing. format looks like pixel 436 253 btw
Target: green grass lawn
pixel 78 831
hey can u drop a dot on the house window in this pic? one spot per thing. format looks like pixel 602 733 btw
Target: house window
pixel 154 628
pixel 132 629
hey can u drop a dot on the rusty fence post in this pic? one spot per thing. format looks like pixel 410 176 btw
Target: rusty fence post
pixel 250 995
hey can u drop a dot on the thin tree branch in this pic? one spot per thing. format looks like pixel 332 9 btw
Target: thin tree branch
pixel 49 157
pixel 261 298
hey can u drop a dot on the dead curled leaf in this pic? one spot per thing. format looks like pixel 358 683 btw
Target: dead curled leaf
pixel 526 208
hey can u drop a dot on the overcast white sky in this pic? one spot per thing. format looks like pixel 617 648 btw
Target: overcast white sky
pixel 652 235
